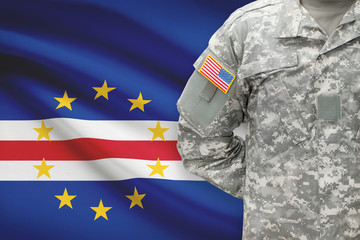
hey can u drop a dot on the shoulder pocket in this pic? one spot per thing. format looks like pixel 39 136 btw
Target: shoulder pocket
pixel 200 111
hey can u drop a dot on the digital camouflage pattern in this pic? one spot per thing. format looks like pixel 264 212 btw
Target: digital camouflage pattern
pixel 298 169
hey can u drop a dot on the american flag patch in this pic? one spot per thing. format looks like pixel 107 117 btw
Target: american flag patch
pixel 217 74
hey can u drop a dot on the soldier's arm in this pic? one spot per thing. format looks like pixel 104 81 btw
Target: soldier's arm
pixel 219 157
pixel 208 116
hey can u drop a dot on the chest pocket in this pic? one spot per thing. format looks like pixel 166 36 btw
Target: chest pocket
pixel 275 120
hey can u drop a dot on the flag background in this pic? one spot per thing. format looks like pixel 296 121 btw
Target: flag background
pixel 47 47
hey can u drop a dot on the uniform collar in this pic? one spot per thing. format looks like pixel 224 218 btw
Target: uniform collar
pixel 353 14
pixel 295 21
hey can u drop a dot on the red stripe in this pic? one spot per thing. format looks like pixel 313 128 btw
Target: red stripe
pixel 88 149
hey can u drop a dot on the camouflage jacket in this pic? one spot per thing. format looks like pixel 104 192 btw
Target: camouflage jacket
pixel 298 168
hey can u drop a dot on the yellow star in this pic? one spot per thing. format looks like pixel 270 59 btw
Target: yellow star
pixel 43 168
pixel 158 168
pixel 65 101
pixel 43 131
pixel 158 131
pixel 101 210
pixel 138 103
pixel 65 199
pixel 136 199
pixel 103 91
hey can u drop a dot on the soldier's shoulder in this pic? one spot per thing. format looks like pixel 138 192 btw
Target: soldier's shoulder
pixel 256 8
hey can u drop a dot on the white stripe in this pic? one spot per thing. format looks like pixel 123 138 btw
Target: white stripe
pixel 111 169
pixel 66 128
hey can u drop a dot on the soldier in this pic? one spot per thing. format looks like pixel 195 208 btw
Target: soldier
pixel 290 70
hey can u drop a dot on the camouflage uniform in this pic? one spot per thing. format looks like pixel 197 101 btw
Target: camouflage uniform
pixel 298 169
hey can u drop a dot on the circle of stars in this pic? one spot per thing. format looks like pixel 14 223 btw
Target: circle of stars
pixel 44 132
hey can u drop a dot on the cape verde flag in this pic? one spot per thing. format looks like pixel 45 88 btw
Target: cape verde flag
pixel 88 121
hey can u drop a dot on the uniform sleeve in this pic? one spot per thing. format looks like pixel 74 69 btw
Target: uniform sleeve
pixel 208 116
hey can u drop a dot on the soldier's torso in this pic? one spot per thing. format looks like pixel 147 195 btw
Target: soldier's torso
pixel 303 167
